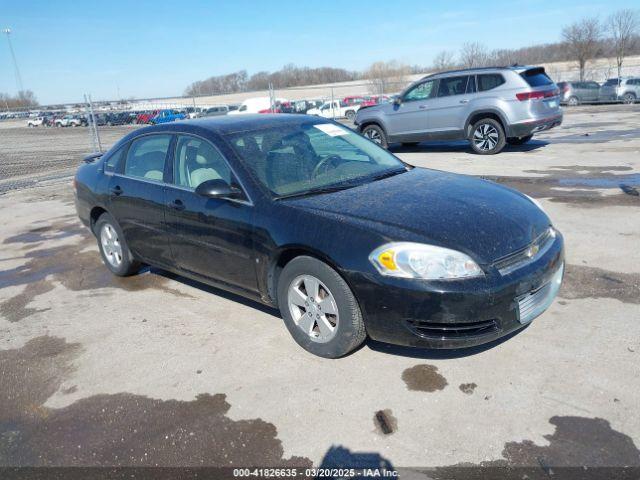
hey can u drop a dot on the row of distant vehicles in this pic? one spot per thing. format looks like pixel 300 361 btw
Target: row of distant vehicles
pixel 625 90
pixel 346 107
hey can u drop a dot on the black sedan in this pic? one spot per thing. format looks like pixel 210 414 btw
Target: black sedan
pixel 345 239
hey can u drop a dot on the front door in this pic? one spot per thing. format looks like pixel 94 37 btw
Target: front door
pixel 446 110
pixel 407 120
pixel 136 198
pixel 209 237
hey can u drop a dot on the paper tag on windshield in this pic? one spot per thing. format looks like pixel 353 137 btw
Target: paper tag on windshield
pixel 331 129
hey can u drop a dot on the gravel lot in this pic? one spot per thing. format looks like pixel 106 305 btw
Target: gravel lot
pixel 158 370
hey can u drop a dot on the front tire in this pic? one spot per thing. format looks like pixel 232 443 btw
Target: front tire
pixel 376 135
pixel 628 98
pixel 573 102
pixel 519 141
pixel 113 247
pixel 319 309
pixel 487 137
pixel 351 115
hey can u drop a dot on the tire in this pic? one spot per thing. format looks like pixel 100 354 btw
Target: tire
pixel 628 98
pixel 519 141
pixel 351 115
pixel 375 133
pixel 127 265
pixel 573 101
pixel 487 137
pixel 346 334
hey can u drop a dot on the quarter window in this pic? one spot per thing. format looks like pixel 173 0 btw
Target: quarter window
pixel 488 81
pixel 146 157
pixel 421 91
pixel 111 164
pixel 197 161
pixel 452 86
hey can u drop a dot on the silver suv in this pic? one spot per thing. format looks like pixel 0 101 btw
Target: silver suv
pixel 625 89
pixel 490 107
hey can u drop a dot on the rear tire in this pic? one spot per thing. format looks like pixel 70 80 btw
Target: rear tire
pixel 628 98
pixel 113 247
pixel 351 115
pixel 342 331
pixel 487 137
pixel 519 141
pixel 573 102
pixel 376 135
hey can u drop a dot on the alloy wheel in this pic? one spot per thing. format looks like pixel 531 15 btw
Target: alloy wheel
pixel 313 308
pixel 111 245
pixel 486 137
pixel 373 135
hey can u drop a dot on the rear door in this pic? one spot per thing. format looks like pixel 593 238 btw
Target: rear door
pixel 136 197
pixel 208 236
pixel 408 121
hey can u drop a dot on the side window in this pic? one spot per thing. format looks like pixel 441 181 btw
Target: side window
pixel 197 161
pixel 112 163
pixel 487 81
pixel 146 157
pixel 421 91
pixel 452 86
pixel 471 85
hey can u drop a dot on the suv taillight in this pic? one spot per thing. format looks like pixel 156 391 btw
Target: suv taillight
pixel 524 96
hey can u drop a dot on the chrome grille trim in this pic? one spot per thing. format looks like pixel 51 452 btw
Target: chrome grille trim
pixel 522 257
pixel 534 303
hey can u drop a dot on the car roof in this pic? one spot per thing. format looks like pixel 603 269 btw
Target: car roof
pixel 513 68
pixel 241 123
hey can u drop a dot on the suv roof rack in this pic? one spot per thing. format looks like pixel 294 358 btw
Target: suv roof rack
pixel 496 67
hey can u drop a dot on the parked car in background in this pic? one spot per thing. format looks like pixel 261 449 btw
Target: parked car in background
pixel 307 216
pixel 35 122
pixel 146 116
pixel 70 121
pixel 215 111
pixel 489 107
pixel 299 106
pixel 166 116
pixel 353 100
pixel 626 89
pixel 374 100
pixel 119 118
pixel 192 112
pixel 257 105
pixel 335 109
pixel 575 93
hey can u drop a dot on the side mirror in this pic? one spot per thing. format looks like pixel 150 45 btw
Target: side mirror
pixel 218 189
pixel 397 101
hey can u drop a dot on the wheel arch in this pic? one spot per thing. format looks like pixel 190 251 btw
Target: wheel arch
pixel 486 113
pixel 94 215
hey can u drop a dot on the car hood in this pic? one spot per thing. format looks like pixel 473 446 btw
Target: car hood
pixel 480 218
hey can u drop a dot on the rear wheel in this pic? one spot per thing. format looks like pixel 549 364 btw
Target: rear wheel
pixel 628 98
pixel 519 141
pixel 573 101
pixel 113 247
pixel 376 135
pixel 487 137
pixel 319 309
pixel 351 115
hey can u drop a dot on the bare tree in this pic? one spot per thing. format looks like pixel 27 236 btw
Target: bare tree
pixel 474 54
pixel 445 60
pixel 622 26
pixel 386 77
pixel 24 99
pixel 582 41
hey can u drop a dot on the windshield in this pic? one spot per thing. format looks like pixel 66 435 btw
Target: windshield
pixel 296 159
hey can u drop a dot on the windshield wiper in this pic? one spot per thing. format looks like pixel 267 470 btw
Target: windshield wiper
pixel 317 191
pixel 388 173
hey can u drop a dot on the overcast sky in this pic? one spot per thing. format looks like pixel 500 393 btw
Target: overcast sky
pixel 146 48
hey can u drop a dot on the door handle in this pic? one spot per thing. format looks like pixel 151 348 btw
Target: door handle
pixel 422 107
pixel 116 190
pixel 176 205
pixel 464 101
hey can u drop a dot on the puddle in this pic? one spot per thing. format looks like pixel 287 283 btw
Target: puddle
pixel 467 388
pixel 589 282
pixel 385 422
pixel 424 378
pixel 120 429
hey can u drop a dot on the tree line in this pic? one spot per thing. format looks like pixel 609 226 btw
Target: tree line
pixel 24 99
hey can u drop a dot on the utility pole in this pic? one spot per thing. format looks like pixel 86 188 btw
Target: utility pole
pixel 7 32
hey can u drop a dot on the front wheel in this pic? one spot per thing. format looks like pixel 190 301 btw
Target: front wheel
pixel 519 141
pixel 376 135
pixel 319 309
pixel 351 115
pixel 113 247
pixel 573 101
pixel 487 137
pixel 628 98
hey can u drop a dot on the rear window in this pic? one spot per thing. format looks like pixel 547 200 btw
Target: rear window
pixel 487 81
pixel 536 77
pixel 611 81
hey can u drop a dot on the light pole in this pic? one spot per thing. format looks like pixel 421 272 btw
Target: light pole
pixel 7 31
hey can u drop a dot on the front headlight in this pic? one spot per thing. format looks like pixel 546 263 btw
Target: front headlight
pixel 418 260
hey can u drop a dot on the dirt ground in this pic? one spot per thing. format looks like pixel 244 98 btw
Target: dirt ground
pixel 158 370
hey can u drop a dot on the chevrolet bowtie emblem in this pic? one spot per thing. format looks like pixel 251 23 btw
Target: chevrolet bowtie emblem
pixel 533 249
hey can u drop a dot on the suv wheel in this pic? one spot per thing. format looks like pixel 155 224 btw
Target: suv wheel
pixel 351 115
pixel 573 101
pixel 113 247
pixel 319 309
pixel 628 98
pixel 519 141
pixel 487 137
pixel 376 135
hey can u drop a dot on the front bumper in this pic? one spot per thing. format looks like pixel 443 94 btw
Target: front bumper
pixel 456 314
pixel 530 127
